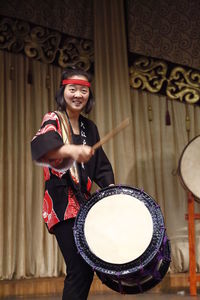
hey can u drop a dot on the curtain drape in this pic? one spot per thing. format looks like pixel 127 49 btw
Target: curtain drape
pixel 113 103
pixel 26 247
pixel 158 149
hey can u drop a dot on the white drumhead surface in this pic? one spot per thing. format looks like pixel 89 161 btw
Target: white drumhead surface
pixel 118 228
pixel 190 167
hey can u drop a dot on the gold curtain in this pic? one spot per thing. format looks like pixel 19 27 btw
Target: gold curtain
pixel 157 153
pixel 112 91
pixel 26 248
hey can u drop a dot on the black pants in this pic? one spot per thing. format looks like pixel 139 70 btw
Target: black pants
pixel 79 273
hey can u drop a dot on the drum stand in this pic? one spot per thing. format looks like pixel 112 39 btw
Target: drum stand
pixel 191 217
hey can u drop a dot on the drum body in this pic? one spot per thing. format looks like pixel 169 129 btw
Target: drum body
pixel 120 233
pixel 189 167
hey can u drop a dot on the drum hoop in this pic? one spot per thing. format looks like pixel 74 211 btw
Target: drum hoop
pixel 179 166
pixel 149 253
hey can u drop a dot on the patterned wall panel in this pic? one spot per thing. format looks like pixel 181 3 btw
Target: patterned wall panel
pixel 165 29
pixel 74 18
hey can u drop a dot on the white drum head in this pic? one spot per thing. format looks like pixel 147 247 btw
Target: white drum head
pixel 190 166
pixel 118 228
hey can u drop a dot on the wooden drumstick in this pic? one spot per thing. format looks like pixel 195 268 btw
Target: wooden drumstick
pixel 111 134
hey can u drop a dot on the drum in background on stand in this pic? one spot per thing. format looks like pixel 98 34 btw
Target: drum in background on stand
pixel 189 167
pixel 120 233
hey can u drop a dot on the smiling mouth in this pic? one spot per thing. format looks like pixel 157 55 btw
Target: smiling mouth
pixel 76 102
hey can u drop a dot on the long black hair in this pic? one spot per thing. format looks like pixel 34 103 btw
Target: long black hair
pixel 66 74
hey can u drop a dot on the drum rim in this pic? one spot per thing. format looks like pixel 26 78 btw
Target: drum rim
pixel 179 166
pixel 142 260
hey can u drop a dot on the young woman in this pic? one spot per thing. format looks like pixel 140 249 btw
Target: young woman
pixel 63 145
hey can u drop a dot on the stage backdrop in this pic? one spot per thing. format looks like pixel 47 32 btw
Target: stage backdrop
pixel 146 157
pixel 26 248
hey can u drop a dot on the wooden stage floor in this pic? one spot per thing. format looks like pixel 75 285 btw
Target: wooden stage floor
pixel 146 296
pixel 172 287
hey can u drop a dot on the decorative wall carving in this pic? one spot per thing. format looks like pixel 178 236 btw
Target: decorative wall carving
pixel 157 76
pixel 148 74
pixel 184 85
pixel 46 45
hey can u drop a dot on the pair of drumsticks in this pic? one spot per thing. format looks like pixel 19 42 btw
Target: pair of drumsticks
pixel 112 133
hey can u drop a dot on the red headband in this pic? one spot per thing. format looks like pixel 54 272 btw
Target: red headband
pixel 76 81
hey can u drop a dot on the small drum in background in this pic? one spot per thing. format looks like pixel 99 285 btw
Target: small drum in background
pixel 189 167
pixel 120 233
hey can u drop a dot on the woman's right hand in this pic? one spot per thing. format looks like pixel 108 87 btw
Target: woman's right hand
pixel 80 153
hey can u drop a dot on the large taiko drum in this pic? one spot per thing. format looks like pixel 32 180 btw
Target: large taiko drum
pixel 120 233
pixel 189 167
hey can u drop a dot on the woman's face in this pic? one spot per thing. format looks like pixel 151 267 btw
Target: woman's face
pixel 75 95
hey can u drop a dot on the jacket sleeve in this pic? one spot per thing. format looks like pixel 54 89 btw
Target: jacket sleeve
pixel 48 137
